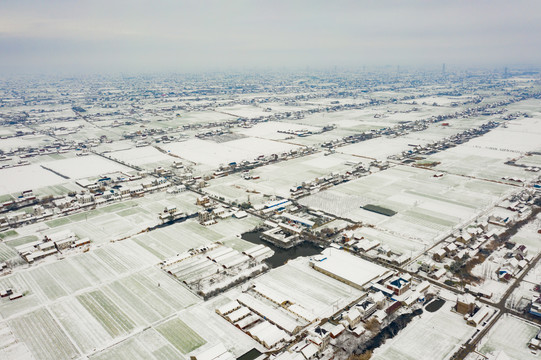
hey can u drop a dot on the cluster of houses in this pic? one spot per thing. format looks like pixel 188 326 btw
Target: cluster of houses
pixel 24 152
pixel 432 148
pixel 13 218
pixel 356 320
pixel 10 294
pixel 212 133
pixel 324 182
pixel 468 242
pixel 474 313
pixel 50 245
pixel 245 165
pixel 355 241
pixel 212 211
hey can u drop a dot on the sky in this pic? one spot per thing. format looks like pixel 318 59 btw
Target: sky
pixel 56 36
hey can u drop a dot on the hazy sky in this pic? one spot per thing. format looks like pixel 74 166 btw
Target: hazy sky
pixel 177 35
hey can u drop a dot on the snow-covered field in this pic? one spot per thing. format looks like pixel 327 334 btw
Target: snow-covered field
pixel 246 111
pixel 278 179
pixel 90 301
pixel 215 154
pixel 318 293
pixel 520 136
pixel 511 335
pixel 482 163
pixel 269 130
pixel 426 206
pixel 24 141
pixel 28 177
pixel 85 166
pixel 180 237
pixel 432 336
pixel 382 147
pixel 141 156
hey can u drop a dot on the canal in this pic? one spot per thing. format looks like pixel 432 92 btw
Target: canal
pixel 281 256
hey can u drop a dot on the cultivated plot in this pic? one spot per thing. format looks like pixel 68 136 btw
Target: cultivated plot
pixel 426 206
pixel 511 335
pixel 432 336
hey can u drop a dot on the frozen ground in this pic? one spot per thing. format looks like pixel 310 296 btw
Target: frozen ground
pixel 432 336
pixel 382 147
pixel 245 111
pixel 520 136
pixel 24 141
pixel 85 166
pixel 482 163
pixel 141 156
pixel 269 130
pixel 426 206
pixel 318 293
pixel 278 179
pixel 511 335
pixel 21 178
pixel 215 154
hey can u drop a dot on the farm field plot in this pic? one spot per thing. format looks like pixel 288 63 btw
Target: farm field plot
pixel 247 111
pixel 85 166
pixel 83 328
pixel 150 295
pixel 93 319
pixel 114 221
pixel 213 154
pixel 180 237
pixel 113 319
pixel 426 206
pixel 278 179
pixel 528 235
pixel 141 156
pixel 35 141
pixel 52 281
pixel 434 336
pixel 269 130
pixel 521 135
pixel 478 162
pixel 147 345
pixel 315 291
pixel 155 203
pixel 125 256
pixel 46 283
pixel 202 117
pixel 532 160
pixel 7 252
pixel 22 283
pixel 11 347
pixel 396 243
pixel 180 335
pixel 43 336
pixel 21 178
pixel 202 319
pixel 511 335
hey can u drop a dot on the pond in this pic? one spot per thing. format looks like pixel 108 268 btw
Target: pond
pixel 388 332
pixel 281 256
pixel 434 305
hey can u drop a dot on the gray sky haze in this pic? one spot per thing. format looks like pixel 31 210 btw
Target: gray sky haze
pixel 171 35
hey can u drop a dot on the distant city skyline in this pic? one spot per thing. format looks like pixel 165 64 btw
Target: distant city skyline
pixel 59 36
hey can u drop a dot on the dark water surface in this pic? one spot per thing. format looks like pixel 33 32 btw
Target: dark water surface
pixel 281 256
pixel 388 332
pixel 434 305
